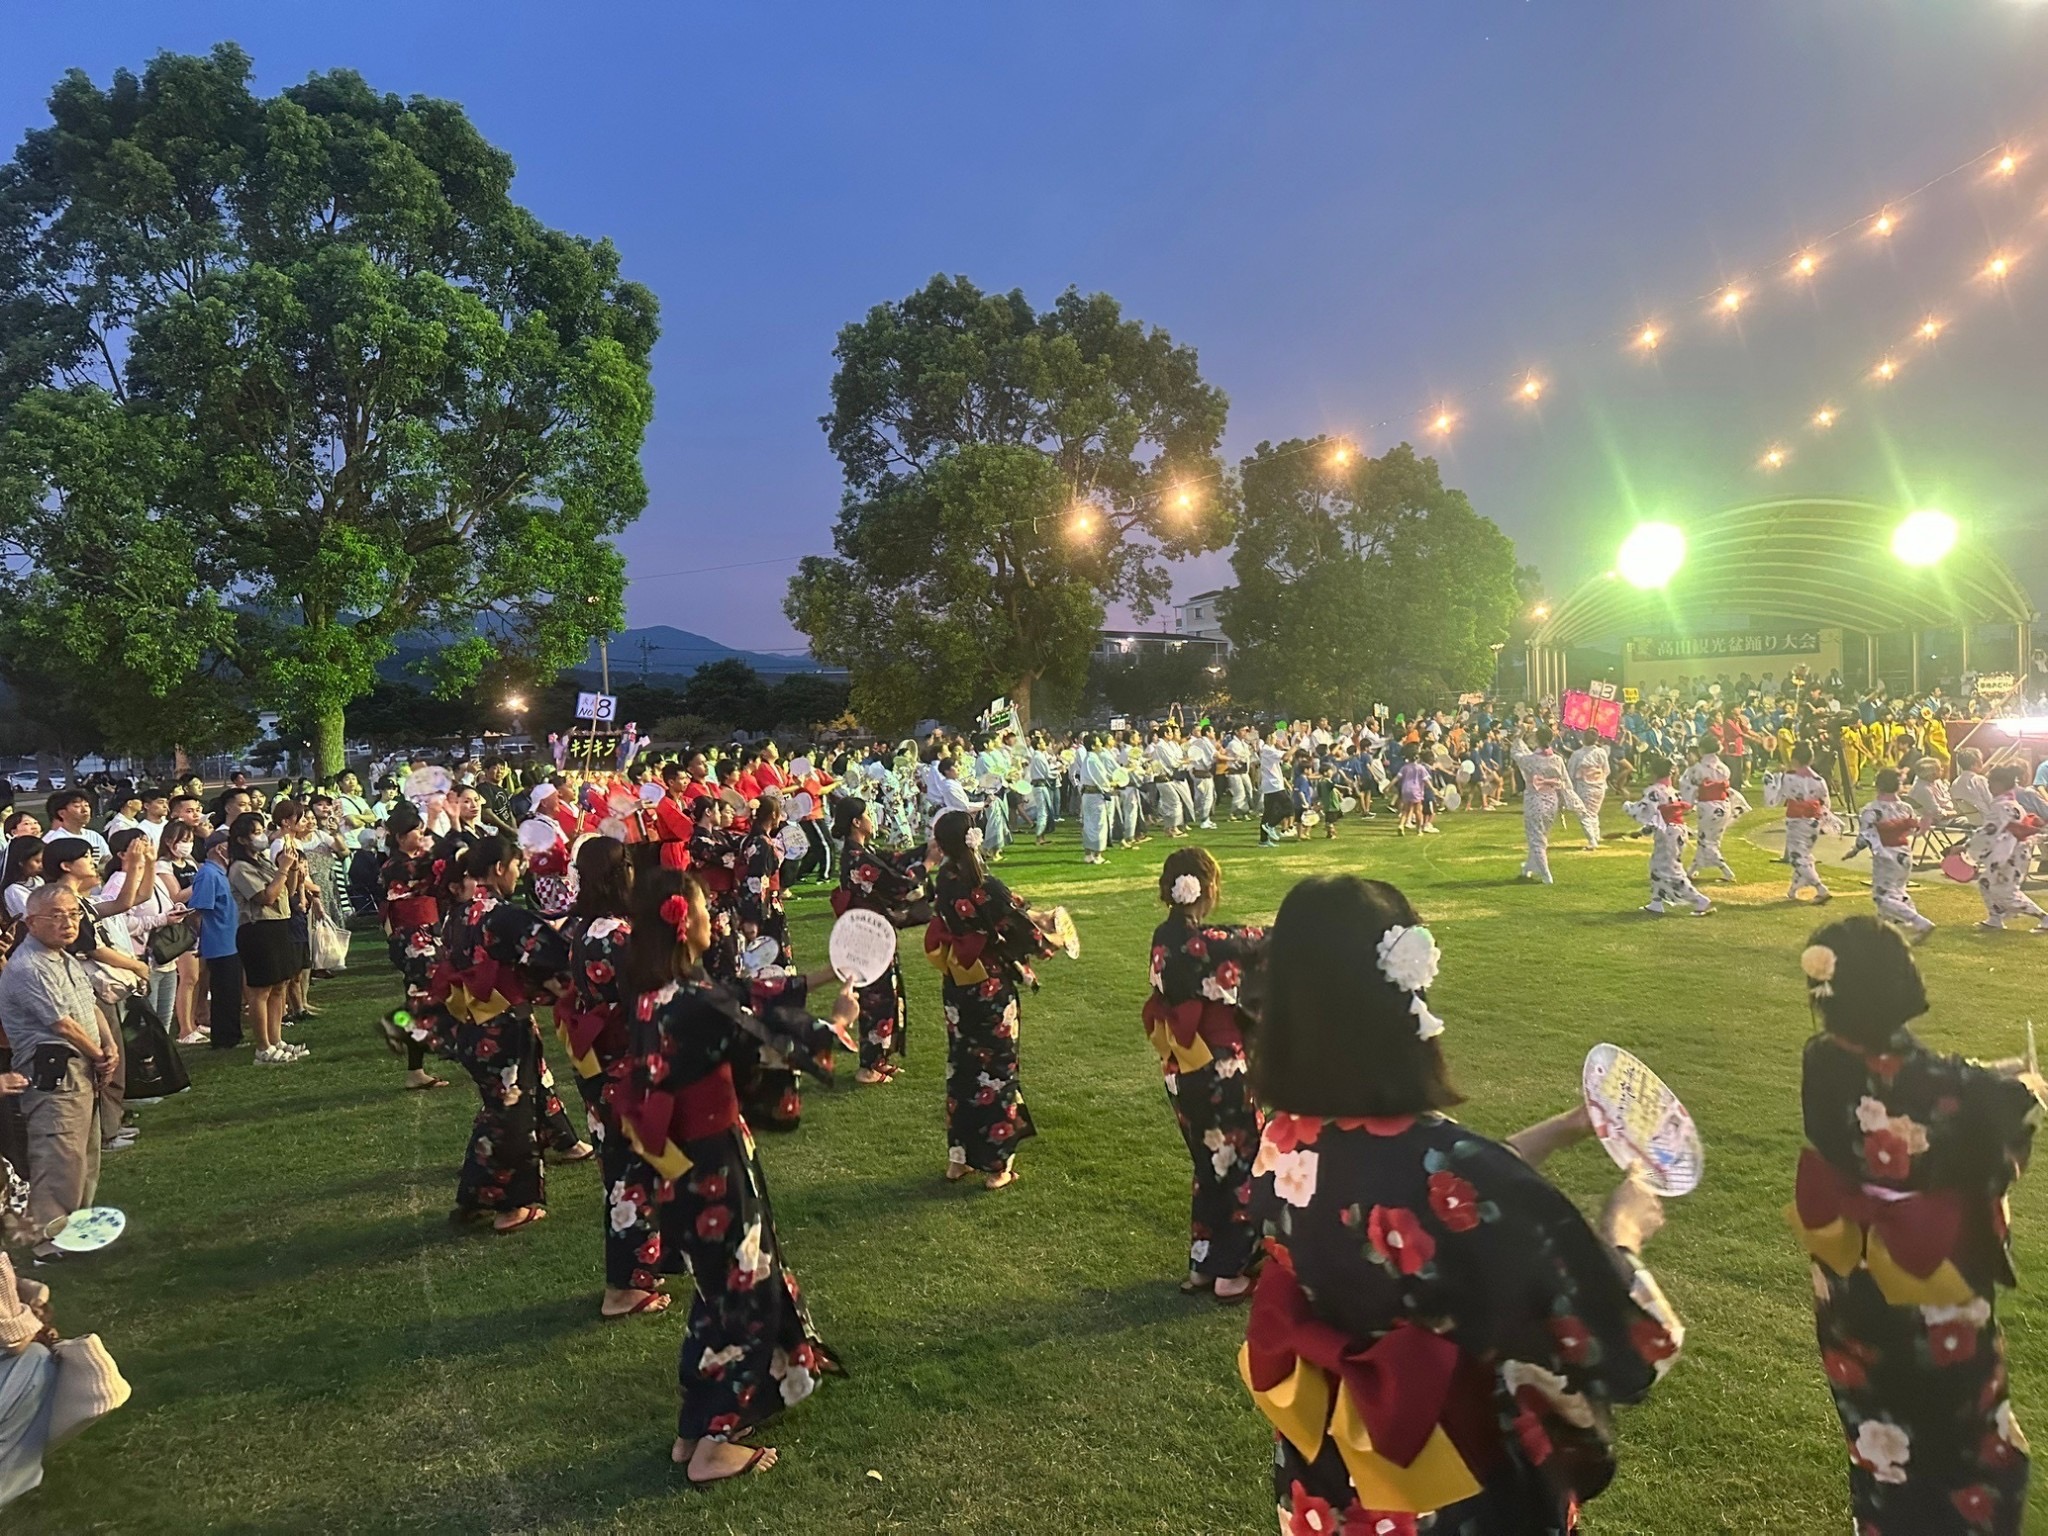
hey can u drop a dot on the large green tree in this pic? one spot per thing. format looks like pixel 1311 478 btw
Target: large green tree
pixel 1361 580
pixel 970 427
pixel 283 378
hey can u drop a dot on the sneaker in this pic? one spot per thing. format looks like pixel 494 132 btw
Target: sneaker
pixel 1992 925
pixel 1654 908
pixel 118 1144
pixel 1206 826
pixel 1431 831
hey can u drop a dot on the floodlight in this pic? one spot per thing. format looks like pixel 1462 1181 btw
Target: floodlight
pixel 1651 555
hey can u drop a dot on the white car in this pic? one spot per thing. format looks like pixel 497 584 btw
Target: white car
pixel 29 778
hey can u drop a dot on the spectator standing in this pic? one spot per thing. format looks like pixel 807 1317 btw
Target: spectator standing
pixel 213 900
pixel 262 889
pixel 55 1028
pixel 178 863
pixel 130 932
pixel 70 811
pixel 20 874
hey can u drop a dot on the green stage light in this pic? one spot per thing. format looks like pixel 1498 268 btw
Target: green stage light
pixel 1924 538
pixel 1651 555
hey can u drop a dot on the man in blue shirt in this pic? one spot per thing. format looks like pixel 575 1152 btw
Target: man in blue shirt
pixel 213 899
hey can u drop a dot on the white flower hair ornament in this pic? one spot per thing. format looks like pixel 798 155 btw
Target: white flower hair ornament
pixel 1187 890
pixel 1818 962
pixel 973 838
pixel 1408 958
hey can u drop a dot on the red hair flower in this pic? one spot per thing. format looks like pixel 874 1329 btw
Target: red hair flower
pixel 676 913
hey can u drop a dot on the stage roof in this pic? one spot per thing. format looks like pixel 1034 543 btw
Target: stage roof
pixel 1816 562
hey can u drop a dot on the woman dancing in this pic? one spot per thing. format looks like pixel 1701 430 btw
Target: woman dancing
pixel 1901 1205
pixel 1194 1021
pixel 590 1018
pixel 412 878
pixel 698 1192
pixel 1437 1330
pixel 982 942
pixel 888 884
pixel 496 961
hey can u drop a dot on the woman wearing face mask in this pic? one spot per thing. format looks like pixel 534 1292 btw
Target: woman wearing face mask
pixel 497 961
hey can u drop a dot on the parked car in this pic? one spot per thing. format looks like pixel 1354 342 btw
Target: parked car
pixel 25 780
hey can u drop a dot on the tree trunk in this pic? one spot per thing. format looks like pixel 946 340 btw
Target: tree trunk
pixel 330 742
pixel 1020 705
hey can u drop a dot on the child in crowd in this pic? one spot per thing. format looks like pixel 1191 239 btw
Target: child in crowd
pixel 2003 851
pixel 1411 789
pixel 1707 783
pixel 1661 812
pixel 1887 826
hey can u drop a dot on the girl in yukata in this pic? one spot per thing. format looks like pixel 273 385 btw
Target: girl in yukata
pixel 497 960
pixel 591 1020
pixel 1196 1023
pixel 1708 785
pixel 1887 826
pixel 890 884
pixel 1900 1203
pixel 1588 768
pixel 411 885
pixel 696 1197
pixel 2003 851
pixel 1439 1338
pixel 1661 812
pixel 982 941
pixel 1546 792
pixel 1804 795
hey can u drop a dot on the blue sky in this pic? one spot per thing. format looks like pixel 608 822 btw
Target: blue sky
pixel 1353 210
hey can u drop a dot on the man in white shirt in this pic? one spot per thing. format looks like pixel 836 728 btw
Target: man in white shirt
pixel 156 814
pixel 70 810
pixel 1243 755
pixel 1176 805
pixel 947 792
pixel 1278 808
pixel 1201 755
pixel 1096 772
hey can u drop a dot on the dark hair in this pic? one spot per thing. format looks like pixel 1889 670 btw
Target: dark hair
pixel 845 813
pixel 1886 781
pixel 1656 766
pixel 604 879
pixel 241 837
pixel 175 832
pixel 19 851
pixel 404 817
pixel 1545 735
pixel 487 853
pixel 654 950
pixel 64 798
pixel 2005 776
pixel 1802 754
pixel 119 844
pixel 950 833
pixel 1191 859
pixel 1874 988
pixel 15 819
pixel 1335 1037
pixel 179 799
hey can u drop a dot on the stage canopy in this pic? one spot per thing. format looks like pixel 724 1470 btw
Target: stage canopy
pixel 1808 562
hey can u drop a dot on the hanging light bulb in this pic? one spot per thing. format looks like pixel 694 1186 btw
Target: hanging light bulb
pixel 1997 267
pixel 1532 388
pixel 1885 371
pixel 1774 457
pixel 1929 328
pixel 2008 163
pixel 1442 422
pixel 1884 223
pixel 1806 265
pixel 1648 337
pixel 1824 417
pixel 1731 300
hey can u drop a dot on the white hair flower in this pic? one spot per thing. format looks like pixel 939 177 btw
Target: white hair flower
pixel 1187 890
pixel 973 838
pixel 1818 962
pixel 1408 958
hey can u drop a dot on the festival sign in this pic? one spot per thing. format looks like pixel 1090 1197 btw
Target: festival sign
pixel 1726 645
pixel 1607 718
pixel 596 706
pixel 1576 710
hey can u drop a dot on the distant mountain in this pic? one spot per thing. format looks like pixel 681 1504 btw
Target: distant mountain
pixel 656 652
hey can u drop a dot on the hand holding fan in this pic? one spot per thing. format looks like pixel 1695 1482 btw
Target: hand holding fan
pixel 862 946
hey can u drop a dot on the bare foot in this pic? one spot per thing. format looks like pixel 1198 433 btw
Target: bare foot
pixel 526 1215
pixel 1232 1288
pixel 955 1172
pixel 715 1460
pixel 870 1076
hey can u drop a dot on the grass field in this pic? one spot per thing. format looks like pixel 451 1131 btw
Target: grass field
pixel 313 1348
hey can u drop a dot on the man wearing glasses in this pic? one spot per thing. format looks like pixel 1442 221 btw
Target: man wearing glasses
pixel 61 1041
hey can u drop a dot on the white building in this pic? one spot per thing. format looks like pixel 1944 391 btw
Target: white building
pixel 1198 618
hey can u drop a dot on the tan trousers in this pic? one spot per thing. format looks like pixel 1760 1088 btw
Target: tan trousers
pixel 63 1145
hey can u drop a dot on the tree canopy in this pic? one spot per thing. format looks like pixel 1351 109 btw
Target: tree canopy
pixel 1367 580
pixel 1008 471
pixel 283 378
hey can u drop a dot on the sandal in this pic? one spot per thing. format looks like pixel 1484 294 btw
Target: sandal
pixel 584 1155
pixel 1001 1180
pixel 650 1301
pixel 868 1076
pixel 955 1172
pixel 430 1083
pixel 760 1461
pixel 1235 1298
pixel 1194 1285
pixel 533 1213
pixel 394 1037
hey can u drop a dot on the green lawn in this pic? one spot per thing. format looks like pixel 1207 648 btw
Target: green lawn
pixel 313 1349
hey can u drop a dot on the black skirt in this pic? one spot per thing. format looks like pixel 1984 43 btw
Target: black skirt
pixel 269 954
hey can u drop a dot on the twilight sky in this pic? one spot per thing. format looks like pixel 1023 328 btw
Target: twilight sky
pixel 1354 209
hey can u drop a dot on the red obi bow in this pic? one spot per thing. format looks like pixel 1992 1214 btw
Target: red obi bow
pixel 1896 834
pixel 1797 810
pixel 841 900
pixel 583 1030
pixel 1714 789
pixel 699 1109
pixel 1919 1230
pixel 1402 1383
pixel 1674 811
pixel 413 911
pixel 482 980
pixel 966 948
pixel 1215 1022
